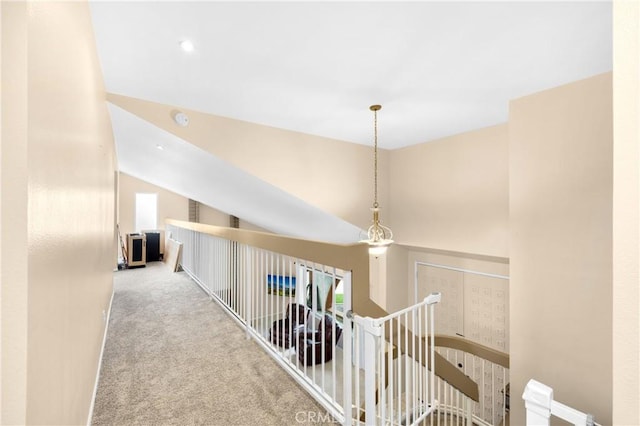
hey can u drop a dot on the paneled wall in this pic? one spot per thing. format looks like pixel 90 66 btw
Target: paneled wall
pixel 450 284
pixel 474 305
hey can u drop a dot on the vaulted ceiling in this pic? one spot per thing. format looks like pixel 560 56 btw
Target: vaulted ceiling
pixel 438 68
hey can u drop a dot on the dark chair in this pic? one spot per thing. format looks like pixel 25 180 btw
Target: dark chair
pixel 316 346
pixel 283 331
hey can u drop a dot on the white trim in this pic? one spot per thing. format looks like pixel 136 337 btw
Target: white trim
pixel 415 282
pixel 451 268
pixel 469 271
pixel 104 341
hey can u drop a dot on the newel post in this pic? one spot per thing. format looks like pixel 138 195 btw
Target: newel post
pixel 537 401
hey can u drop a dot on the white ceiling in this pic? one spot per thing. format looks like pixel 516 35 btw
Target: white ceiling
pixel 438 68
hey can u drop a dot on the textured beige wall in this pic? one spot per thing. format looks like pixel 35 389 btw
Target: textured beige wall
pixel 396 294
pixel 170 204
pixel 452 194
pixel 560 147
pixel 14 300
pixel 250 226
pixel 332 175
pixel 66 142
pixel 212 216
pixel 626 214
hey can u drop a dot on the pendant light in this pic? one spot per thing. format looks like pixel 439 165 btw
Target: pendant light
pixel 379 237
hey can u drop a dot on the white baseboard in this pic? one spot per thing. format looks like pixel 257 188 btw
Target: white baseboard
pixel 104 341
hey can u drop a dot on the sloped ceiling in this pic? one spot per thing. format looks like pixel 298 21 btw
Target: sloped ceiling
pixel 438 68
pixel 188 170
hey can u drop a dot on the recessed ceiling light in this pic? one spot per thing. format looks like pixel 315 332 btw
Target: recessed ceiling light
pixel 160 147
pixel 186 45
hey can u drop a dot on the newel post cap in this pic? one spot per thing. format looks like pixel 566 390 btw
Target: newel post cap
pixel 538 398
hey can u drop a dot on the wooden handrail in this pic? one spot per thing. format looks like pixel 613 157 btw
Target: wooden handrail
pixel 443 368
pixel 348 257
pixel 473 348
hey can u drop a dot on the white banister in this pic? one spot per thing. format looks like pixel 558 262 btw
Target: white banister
pixel 248 313
pixel 347 380
pixel 398 385
pixel 540 406
pixel 257 286
pixel 371 342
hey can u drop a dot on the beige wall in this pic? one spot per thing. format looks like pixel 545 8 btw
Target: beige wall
pixel 57 153
pixel 250 226
pixel 396 294
pixel 326 173
pixel 447 196
pixel 626 214
pixel 560 147
pixel 14 300
pixel 212 216
pixel 388 279
pixel 170 204
pixel 452 194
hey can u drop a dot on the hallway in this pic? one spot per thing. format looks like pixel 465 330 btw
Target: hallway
pixel 174 357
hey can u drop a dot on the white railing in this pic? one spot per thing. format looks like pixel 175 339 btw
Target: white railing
pixel 492 380
pixel 540 406
pixel 399 384
pixel 260 289
pixel 361 370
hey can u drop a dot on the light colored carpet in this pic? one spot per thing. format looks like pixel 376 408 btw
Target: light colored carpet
pixel 174 357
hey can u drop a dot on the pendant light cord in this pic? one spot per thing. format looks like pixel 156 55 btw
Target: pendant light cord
pixel 379 237
pixel 375 155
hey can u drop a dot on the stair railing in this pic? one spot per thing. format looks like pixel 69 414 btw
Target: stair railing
pixel 540 406
pixel 488 368
pixel 398 381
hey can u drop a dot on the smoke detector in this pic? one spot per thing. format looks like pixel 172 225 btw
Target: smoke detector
pixel 181 119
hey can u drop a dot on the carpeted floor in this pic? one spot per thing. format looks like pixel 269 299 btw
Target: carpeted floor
pixel 174 357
